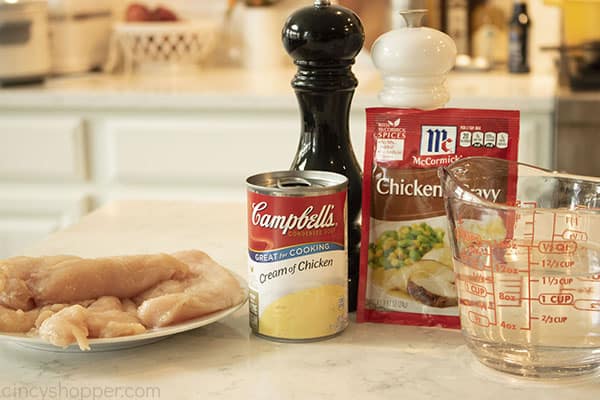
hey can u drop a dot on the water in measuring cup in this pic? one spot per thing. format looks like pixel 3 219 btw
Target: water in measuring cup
pixel 532 312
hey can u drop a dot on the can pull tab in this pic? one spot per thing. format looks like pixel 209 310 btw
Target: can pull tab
pixel 292 181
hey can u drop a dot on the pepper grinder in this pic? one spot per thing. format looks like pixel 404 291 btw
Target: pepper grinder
pixel 324 40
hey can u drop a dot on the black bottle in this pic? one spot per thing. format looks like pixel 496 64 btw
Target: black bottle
pixel 323 40
pixel 518 46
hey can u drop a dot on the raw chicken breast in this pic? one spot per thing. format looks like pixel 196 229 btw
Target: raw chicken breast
pixel 129 307
pixel 15 294
pixel 212 289
pixel 106 303
pixel 65 327
pixel 17 321
pixel 14 274
pixel 48 311
pixel 107 318
pixel 23 267
pixel 104 318
pixel 79 299
pixel 75 280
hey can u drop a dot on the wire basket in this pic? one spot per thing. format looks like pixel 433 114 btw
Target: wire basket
pixel 152 45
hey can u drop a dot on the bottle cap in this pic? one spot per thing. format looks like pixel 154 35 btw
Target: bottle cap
pixel 414 62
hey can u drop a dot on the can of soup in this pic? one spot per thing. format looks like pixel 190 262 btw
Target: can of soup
pixel 298 260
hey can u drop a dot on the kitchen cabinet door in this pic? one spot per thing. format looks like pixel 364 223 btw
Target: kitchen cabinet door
pixel 214 150
pixel 536 140
pixel 578 149
pixel 26 219
pixel 17 233
pixel 210 150
pixel 42 149
pixel 358 126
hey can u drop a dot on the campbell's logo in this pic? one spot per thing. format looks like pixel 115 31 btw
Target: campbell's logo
pixel 438 140
pixel 309 219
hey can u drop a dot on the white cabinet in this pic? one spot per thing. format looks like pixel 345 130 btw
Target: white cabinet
pixel 209 150
pixel 358 126
pixel 536 140
pixel 41 158
pixel 59 162
pixel 25 219
pixel 17 233
pixel 41 149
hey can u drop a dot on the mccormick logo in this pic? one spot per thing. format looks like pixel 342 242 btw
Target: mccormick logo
pixel 307 220
pixel 438 140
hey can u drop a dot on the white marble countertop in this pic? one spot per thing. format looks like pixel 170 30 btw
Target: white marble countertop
pixel 225 361
pixel 244 89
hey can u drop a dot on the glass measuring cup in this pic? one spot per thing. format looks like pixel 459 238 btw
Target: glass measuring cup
pixel 526 246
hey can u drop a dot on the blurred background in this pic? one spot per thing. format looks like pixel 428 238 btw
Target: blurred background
pixel 183 99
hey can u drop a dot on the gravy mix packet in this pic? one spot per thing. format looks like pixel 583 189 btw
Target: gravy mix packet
pixel 406 272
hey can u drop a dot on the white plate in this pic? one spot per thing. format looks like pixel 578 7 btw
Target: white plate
pixel 127 342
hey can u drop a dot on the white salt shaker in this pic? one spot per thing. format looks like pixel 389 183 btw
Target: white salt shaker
pixel 414 62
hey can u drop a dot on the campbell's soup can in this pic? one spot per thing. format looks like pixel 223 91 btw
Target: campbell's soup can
pixel 298 260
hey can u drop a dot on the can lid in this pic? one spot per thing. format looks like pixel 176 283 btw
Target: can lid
pixel 297 183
